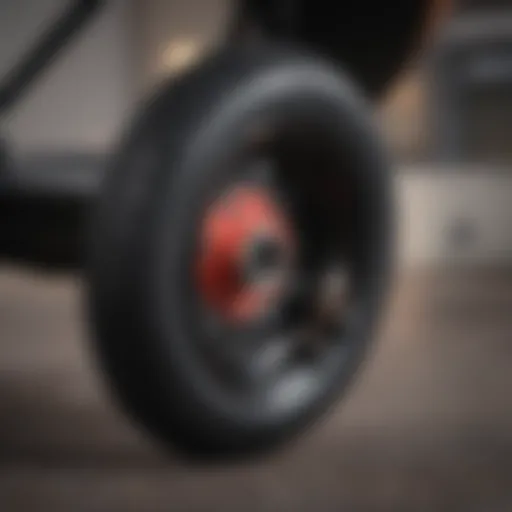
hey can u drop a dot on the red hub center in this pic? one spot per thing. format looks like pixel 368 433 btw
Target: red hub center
pixel 246 253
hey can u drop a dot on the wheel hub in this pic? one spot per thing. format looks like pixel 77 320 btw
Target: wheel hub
pixel 246 254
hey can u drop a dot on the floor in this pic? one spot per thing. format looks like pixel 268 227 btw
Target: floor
pixel 428 426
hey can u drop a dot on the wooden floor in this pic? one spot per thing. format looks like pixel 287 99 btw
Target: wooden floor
pixel 427 428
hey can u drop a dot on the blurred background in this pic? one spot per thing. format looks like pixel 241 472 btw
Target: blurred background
pixel 428 427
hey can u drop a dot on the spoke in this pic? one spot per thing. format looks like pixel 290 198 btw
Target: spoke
pixel 269 360
pixel 294 390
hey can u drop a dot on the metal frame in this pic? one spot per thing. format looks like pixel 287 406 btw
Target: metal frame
pixel 45 197
pixel 40 56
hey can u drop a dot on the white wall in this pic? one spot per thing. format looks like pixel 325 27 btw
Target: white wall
pixel 433 202
pixel 81 101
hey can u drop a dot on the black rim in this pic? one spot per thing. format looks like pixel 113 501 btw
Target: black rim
pixel 327 160
pixel 288 357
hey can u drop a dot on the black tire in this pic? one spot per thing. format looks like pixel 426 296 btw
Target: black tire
pixel 372 40
pixel 141 241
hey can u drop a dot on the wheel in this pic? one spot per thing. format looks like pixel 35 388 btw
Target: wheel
pixel 346 32
pixel 240 252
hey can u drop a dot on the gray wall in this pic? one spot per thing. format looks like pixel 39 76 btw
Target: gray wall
pixel 82 100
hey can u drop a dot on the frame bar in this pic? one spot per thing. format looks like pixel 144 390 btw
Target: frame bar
pixel 39 57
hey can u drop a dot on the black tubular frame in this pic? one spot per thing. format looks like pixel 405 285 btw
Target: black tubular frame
pixel 278 17
pixel 40 56
pixel 281 19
